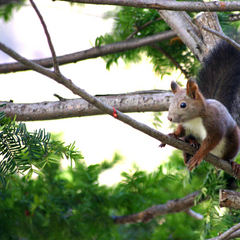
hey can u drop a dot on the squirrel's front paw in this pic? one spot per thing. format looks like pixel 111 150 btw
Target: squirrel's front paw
pixel 236 168
pixel 193 162
pixel 170 135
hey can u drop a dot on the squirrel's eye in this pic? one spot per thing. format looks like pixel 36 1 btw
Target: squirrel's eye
pixel 183 105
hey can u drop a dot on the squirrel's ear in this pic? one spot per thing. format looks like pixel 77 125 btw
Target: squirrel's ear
pixel 175 87
pixel 192 89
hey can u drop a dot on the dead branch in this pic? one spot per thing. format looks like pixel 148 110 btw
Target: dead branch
pixel 172 206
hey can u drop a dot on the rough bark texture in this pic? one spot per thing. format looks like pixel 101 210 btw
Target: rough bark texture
pixel 229 199
pixel 181 23
pixel 155 100
pixel 209 20
pixel 172 206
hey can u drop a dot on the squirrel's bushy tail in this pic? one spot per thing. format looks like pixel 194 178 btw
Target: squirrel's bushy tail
pixel 219 78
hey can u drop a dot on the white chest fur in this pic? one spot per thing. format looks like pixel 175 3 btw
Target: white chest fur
pixel 196 128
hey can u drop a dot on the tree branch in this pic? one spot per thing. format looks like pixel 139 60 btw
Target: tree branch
pixel 219 163
pixel 54 57
pixel 172 206
pixel 231 233
pixel 222 36
pixel 146 101
pixel 214 6
pixel 92 52
pixel 182 24
pixel 229 198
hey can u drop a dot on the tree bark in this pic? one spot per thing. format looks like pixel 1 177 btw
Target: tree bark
pixel 172 206
pixel 229 199
pixel 146 101
pixel 214 6
pixel 92 52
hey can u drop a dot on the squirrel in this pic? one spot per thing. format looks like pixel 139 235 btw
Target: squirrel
pixel 203 110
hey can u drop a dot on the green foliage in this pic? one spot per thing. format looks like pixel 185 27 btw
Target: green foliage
pixel 71 204
pixel 27 153
pixel 139 23
pixel 6 10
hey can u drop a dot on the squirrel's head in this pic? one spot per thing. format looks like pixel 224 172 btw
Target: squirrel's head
pixel 187 104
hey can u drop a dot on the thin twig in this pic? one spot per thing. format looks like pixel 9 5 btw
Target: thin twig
pixel 175 63
pixel 142 27
pixel 222 36
pixel 54 57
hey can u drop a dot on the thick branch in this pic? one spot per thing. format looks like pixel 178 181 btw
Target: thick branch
pixel 132 102
pixel 229 198
pixel 92 52
pixel 182 24
pixel 172 206
pixel 214 6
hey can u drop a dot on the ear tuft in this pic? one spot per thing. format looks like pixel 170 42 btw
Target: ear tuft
pixel 192 89
pixel 175 87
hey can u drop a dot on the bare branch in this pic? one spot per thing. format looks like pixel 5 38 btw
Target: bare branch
pixel 172 206
pixel 192 6
pixel 92 52
pixel 132 102
pixel 223 36
pixel 54 57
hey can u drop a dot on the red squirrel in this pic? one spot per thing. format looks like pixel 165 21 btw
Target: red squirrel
pixel 203 109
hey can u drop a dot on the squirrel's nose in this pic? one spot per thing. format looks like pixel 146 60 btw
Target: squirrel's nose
pixel 169 118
